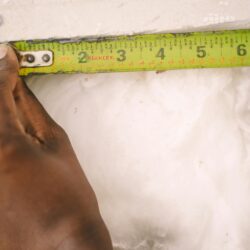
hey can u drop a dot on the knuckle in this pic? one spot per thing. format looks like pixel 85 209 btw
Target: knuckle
pixel 60 130
pixel 59 133
pixel 55 138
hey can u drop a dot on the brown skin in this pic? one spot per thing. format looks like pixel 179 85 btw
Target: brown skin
pixel 46 202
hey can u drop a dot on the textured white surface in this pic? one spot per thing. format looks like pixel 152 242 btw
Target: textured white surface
pixel 167 154
pixel 58 18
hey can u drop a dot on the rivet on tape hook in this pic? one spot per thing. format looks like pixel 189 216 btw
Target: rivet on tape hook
pixel 31 59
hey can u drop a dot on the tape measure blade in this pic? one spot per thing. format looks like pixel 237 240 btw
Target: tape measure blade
pixel 153 52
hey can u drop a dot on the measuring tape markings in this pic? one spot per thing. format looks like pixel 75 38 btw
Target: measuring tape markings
pixel 138 53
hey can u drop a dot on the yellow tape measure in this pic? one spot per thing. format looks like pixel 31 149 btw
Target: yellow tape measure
pixel 148 52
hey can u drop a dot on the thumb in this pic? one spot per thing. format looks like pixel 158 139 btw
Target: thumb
pixel 9 67
pixel 9 64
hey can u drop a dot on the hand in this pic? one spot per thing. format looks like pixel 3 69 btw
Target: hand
pixel 46 202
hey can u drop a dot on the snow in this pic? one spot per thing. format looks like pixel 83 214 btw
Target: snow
pixel 167 154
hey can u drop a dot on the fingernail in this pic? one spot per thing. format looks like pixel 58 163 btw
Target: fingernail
pixel 3 50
